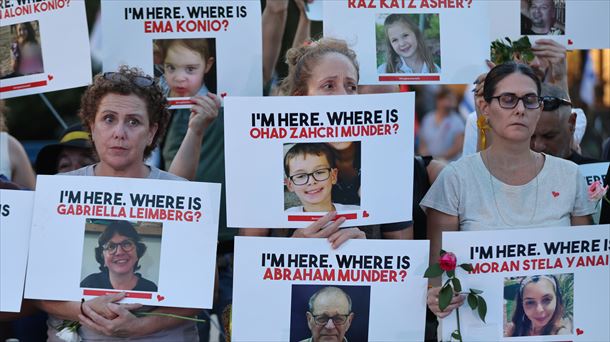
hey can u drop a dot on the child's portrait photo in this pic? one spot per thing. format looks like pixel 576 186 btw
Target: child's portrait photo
pixel 538 305
pixel 321 177
pixel 20 50
pixel 408 43
pixel 185 67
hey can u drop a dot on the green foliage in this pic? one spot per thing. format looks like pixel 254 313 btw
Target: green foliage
pixel 519 50
pixel 444 297
pixel 433 271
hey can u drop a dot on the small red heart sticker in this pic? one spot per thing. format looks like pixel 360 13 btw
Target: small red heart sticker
pixel 570 42
pixel 50 77
pixel 223 95
pixel 579 331
pixel 160 298
pixel 365 214
pixel 555 193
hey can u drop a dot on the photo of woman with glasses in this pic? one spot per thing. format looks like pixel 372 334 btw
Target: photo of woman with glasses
pixel 539 306
pixel 118 252
pixel 310 172
pixel 508 185
pixel 126 113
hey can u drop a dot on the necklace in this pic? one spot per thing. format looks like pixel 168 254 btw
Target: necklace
pixel 493 191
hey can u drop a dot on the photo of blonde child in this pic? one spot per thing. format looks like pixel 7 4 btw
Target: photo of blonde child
pixel 310 172
pixel 408 44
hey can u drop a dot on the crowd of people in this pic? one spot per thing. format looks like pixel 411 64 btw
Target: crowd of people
pixel 523 146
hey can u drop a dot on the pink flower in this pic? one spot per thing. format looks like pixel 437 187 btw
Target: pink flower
pixel 448 261
pixel 596 191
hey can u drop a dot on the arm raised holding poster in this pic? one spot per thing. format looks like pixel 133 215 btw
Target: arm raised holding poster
pixel 502 186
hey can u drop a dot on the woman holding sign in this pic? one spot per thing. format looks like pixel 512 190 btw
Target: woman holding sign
pixel 507 185
pixel 126 113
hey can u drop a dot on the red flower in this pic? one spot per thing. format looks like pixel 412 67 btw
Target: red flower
pixel 448 261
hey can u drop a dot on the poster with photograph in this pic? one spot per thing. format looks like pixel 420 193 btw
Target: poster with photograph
pixel 576 24
pixel 124 234
pixel 44 46
pixel 543 284
pixel 15 219
pixel 295 289
pixel 291 159
pixel 190 47
pixel 415 41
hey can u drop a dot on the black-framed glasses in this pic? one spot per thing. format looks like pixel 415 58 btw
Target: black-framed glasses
pixel 303 178
pixel 127 246
pixel 550 103
pixel 510 100
pixel 140 81
pixel 337 319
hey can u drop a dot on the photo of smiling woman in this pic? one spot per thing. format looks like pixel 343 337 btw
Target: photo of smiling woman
pixel 311 173
pixel 540 305
pixel 120 254
pixel 408 44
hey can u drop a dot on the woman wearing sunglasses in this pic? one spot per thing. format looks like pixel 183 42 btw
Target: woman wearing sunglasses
pixel 126 114
pixel 507 185
pixel 118 252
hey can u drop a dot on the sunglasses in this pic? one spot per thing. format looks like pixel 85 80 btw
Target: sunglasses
pixel 550 103
pixel 140 81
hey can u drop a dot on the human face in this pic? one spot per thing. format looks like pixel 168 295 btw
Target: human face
pixel 402 39
pixel 184 70
pixel 121 261
pixel 553 134
pixel 516 124
pixel 329 305
pixel 314 195
pixel 73 158
pixel 539 302
pixel 542 13
pixel 121 131
pixel 334 74
pixel 22 33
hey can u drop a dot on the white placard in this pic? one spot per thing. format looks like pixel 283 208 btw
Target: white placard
pixel 594 172
pixel 587 24
pixel 15 220
pixel 232 27
pixel 55 55
pixel 378 129
pixel 275 278
pixel 455 35
pixel 506 261
pixel 177 221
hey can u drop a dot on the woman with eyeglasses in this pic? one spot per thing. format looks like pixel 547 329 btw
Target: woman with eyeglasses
pixel 126 114
pixel 507 185
pixel 118 252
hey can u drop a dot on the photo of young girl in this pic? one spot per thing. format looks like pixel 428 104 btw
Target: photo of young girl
pixel 185 67
pixel 21 44
pixel 538 305
pixel 408 44
pixel 311 173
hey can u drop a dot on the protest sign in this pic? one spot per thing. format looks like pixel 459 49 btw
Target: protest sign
pixel 562 270
pixel 15 219
pixel 273 183
pixel 44 46
pixel 97 227
pixel 581 24
pixel 413 41
pixel 275 278
pixel 587 24
pixel 181 41
pixel 594 172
